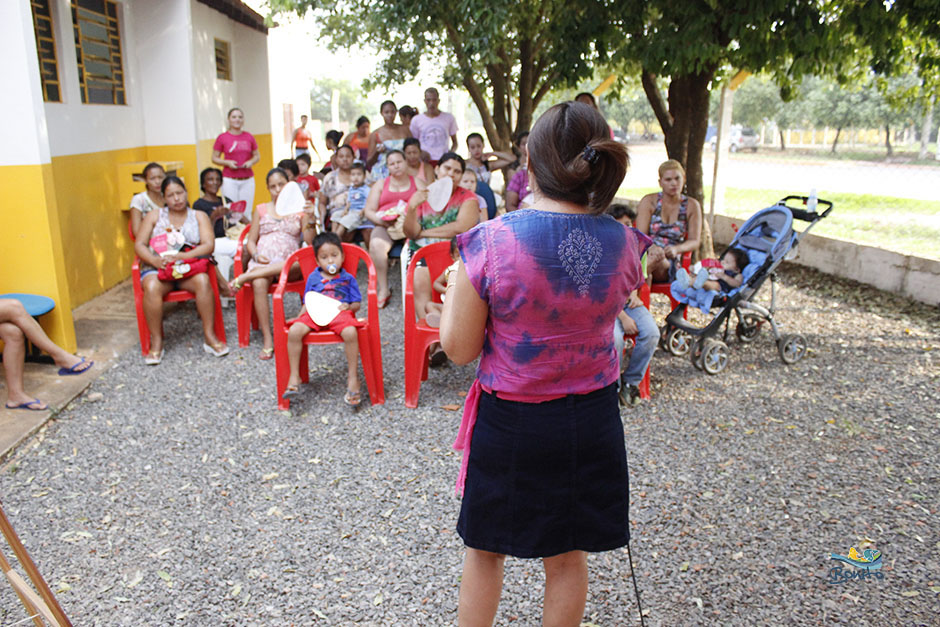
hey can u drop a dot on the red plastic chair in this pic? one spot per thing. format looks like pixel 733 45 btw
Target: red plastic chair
pixel 663 288
pixel 176 296
pixel 645 382
pixel 370 339
pixel 245 313
pixel 418 335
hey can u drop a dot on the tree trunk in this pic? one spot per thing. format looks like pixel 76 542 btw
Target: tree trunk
pixel 836 141
pixel 783 142
pixel 685 124
pixel 925 131
pixel 888 139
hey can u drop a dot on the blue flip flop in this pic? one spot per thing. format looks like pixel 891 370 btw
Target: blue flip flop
pixel 64 372
pixel 27 404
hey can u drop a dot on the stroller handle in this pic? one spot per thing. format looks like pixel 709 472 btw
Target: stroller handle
pixel 802 214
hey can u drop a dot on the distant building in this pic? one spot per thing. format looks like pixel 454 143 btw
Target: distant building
pixel 95 89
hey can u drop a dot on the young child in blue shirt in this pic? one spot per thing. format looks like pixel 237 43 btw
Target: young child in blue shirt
pixel 329 279
pixel 351 218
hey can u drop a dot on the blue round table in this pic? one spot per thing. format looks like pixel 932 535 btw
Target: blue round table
pixel 35 305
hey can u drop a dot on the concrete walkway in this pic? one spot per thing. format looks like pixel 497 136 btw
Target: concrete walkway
pixel 105 327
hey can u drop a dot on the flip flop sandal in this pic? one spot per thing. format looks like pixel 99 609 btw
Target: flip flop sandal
pixel 266 354
pixel 28 405
pixel 222 351
pixel 292 390
pixel 382 304
pixel 78 368
pixel 352 398
pixel 153 359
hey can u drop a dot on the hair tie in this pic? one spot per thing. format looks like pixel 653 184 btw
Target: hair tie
pixel 590 155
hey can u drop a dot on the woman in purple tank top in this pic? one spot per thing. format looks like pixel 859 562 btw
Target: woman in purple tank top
pixel 537 291
pixel 672 220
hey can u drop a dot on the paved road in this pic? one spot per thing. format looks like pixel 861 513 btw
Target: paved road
pixel 800 174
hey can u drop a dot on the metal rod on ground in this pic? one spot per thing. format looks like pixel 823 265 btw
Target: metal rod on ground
pixel 636 588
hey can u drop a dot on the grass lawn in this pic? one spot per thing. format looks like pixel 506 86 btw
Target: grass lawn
pixel 911 227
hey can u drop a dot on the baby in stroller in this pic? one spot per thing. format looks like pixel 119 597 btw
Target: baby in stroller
pixel 720 275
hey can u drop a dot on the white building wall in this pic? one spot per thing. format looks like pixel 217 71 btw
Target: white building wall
pixel 75 127
pixel 213 97
pixel 23 123
pixel 251 76
pixel 291 68
pixel 164 70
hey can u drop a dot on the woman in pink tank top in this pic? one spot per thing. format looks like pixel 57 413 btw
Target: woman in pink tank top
pixel 386 194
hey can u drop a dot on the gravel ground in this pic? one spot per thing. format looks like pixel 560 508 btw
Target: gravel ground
pixel 180 495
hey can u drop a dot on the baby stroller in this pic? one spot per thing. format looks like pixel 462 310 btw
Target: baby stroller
pixel 768 238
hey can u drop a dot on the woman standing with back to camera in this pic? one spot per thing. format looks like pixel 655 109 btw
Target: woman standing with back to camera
pixel 538 291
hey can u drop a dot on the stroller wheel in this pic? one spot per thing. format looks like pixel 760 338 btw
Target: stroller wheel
pixel 695 355
pixel 663 332
pixel 678 342
pixel 749 327
pixel 792 348
pixel 714 356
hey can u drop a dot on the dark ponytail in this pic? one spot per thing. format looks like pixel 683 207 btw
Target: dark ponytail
pixel 573 159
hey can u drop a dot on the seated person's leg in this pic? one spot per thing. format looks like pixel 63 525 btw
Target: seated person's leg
pixel 14 352
pixel 646 340
pixel 657 264
pixel 295 338
pixel 422 290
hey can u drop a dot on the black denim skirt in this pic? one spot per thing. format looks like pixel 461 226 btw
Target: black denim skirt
pixel 547 478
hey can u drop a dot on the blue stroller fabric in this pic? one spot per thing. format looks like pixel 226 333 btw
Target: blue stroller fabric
pixel 767 233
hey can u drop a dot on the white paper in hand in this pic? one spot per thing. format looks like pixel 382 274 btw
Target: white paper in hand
pixel 321 308
pixel 439 193
pixel 290 201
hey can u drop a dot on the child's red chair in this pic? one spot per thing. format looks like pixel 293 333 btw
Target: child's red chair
pixel 645 382
pixel 664 288
pixel 176 296
pixel 370 339
pixel 245 314
pixel 418 335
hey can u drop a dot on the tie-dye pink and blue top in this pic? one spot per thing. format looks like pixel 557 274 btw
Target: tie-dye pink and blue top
pixel 554 284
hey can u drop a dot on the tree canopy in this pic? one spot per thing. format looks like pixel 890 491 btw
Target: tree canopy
pixel 507 54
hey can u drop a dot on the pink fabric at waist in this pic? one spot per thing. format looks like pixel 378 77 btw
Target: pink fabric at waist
pixel 471 408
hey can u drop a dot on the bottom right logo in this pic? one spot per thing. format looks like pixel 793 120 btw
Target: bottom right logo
pixel 865 564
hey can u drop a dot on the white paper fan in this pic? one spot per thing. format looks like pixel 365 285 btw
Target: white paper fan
pixel 290 201
pixel 321 308
pixel 439 193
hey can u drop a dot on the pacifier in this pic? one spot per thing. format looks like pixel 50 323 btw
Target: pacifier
pixel 332 268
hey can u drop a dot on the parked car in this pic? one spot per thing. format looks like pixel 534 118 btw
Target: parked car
pixel 742 138
pixel 621 136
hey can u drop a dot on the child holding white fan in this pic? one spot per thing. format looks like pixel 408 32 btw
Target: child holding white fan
pixel 331 280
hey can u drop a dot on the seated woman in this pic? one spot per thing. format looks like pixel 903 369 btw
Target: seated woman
pixel 359 139
pixel 188 236
pixel 333 139
pixel 425 226
pixel 149 199
pixel 333 193
pixel 271 240
pixel 417 166
pixel 390 136
pixel 672 220
pixel 214 205
pixel 385 195
pixel 482 165
pixel 518 187
pixel 17 326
